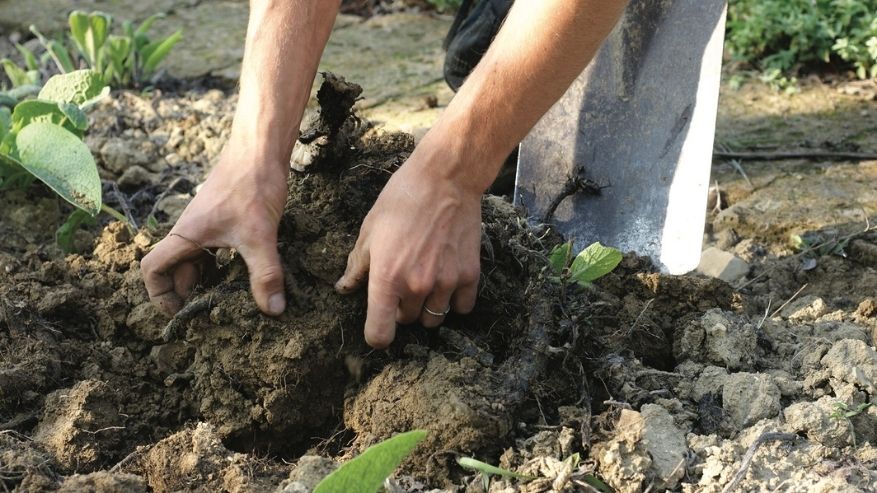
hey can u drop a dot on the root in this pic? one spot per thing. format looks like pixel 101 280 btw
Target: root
pixel 174 329
pixel 750 453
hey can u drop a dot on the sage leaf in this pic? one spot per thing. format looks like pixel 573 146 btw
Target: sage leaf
pixel 367 472
pixel 63 162
pixel 75 87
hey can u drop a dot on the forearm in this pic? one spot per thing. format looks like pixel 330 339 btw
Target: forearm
pixel 540 50
pixel 285 39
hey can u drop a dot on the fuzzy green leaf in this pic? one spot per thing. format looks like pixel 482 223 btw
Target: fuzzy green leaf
pixel 38 110
pixel 76 87
pixel 485 468
pixel 79 24
pixel 74 115
pixel 21 92
pixel 63 162
pixel 559 257
pixel 366 473
pixel 594 262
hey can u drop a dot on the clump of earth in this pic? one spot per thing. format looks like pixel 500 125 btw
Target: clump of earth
pixel 640 381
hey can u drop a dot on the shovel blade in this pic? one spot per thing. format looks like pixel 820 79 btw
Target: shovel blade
pixel 638 123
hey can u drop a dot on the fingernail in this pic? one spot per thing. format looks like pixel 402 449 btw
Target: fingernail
pixel 340 285
pixel 276 304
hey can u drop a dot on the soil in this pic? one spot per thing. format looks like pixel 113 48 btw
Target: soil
pixel 643 380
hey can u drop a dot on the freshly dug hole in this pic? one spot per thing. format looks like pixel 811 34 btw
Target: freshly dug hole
pixel 274 383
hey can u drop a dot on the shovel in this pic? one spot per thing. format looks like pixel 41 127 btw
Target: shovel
pixel 624 156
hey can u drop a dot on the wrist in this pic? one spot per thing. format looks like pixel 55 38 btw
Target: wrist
pixel 453 151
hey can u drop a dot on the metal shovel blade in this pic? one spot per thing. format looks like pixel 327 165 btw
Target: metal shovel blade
pixel 638 125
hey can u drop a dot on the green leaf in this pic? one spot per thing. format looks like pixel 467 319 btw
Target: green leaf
pixel 146 25
pixel 17 75
pixel 594 262
pixel 74 115
pixel 38 110
pixel 64 234
pixel 78 21
pixel 99 26
pixel 86 105
pixel 366 473
pixel 30 60
pixel 61 56
pixel 160 51
pixel 76 87
pixel 559 257
pixel 63 162
pixel 5 121
pixel 485 468
pixel 597 483
pixel 21 92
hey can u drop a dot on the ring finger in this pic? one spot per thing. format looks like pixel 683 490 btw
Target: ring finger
pixel 436 307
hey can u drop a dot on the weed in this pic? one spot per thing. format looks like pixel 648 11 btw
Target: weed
pixel 780 37
pixel 842 411
pixel 126 59
pixel 367 472
pixel 488 470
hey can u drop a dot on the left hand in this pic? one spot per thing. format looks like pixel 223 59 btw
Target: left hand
pixel 419 247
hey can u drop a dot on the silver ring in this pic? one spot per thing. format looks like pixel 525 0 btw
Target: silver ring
pixel 437 314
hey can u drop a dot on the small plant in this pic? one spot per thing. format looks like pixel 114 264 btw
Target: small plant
pixel 124 60
pixel 367 472
pixel 41 139
pixel 780 37
pixel 842 411
pixel 488 470
pixel 590 264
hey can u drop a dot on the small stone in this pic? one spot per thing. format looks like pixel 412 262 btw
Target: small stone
pixel 805 309
pixel 854 362
pixel 722 265
pixel 647 449
pixel 173 205
pixel 135 176
pixel 726 238
pixel 118 155
pixel 748 398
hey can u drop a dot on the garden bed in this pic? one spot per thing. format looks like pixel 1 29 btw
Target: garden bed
pixel 656 381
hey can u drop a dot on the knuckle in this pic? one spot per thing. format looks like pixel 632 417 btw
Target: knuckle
pixel 420 286
pixel 268 275
pixel 470 275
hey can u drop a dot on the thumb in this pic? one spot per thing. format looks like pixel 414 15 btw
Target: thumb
pixel 266 276
pixel 356 271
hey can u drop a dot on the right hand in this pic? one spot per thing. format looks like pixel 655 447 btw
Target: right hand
pixel 238 207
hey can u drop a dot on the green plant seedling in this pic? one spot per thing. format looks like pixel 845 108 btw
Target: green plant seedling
pixel 842 411
pixel 19 76
pixel 590 264
pixel 367 472
pixel 64 234
pixel 488 470
pixel 56 51
pixel 89 32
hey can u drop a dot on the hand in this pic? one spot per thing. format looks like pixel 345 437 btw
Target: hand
pixel 238 207
pixel 419 246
